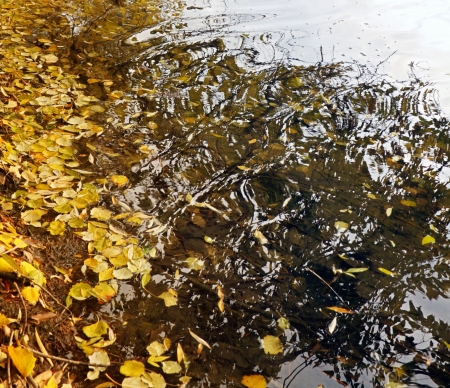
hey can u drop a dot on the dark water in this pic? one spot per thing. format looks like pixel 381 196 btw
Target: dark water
pixel 240 107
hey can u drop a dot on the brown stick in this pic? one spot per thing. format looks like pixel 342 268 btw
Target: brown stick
pixel 67 360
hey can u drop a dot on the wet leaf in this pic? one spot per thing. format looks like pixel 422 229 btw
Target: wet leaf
pixel 132 368
pixel 157 380
pixel 171 367
pixel 123 274
pixel 332 326
pixel 98 357
pixel 101 214
pixel 199 339
pixel 409 203
pixel 341 310
pixel 208 240
pixel 194 263
pixel 386 271
pixel 357 270
pixel 271 344
pixel 283 323
pixel 260 237
pixel 119 180
pixel 80 291
pixel 134 382
pixel 389 211
pixel 156 348
pixel 153 360
pixel 5 320
pixel 428 240
pixel 254 381
pixel 96 330
pixel 180 353
pixel 341 226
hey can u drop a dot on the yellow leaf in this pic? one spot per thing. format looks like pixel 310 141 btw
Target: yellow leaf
pixel 51 383
pixel 31 294
pixel 389 211
pixel 101 214
pixel 271 344
pixel 208 239
pixel 119 180
pixel 428 240
pixel 386 271
pixel 4 320
pixel 199 339
pixel 171 367
pixel 57 228
pixel 341 226
pixel 340 310
pixel 153 360
pixel 96 330
pixel 132 368
pixel 180 353
pixel 261 238
pixel 23 360
pixel 254 381
pixel 283 323
pixel 156 348
pixel 169 299
pixel 408 203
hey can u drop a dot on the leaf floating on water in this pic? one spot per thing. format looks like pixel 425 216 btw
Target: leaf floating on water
pixel 171 367
pixel 254 381
pixel 408 203
pixel 371 196
pixel 243 168
pixel 356 270
pixel 332 326
pixel 340 310
pixel 341 226
pixel 101 214
pixel 23 360
pixel 283 323
pixel 132 368
pixel 133 382
pixel 208 240
pixel 194 263
pixel 119 180
pixel 271 344
pixel 199 339
pixel 389 211
pixel 433 228
pixel 96 330
pixel 428 240
pixel 286 201
pixel 169 299
pixel 260 237
pixel 386 271
pixel 188 198
pixel 156 348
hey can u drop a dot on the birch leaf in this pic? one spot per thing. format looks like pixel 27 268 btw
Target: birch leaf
pixel 132 368
pixel 23 360
pixel 31 294
pixel 169 299
pixel 271 344
pixel 171 367
pixel 254 381
pixel 96 330
pixel 428 240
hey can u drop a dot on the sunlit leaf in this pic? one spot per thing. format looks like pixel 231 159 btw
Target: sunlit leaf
pixel 104 292
pixel 153 360
pixel 271 344
pixel 80 291
pixel 132 368
pixel 428 240
pixel 4 320
pixel 96 330
pixel 357 270
pixel 180 353
pixel 341 310
pixel 254 381
pixel 145 279
pixel 123 274
pixel 208 239
pixel 260 237
pixel 169 299
pixel 23 360
pixel 171 367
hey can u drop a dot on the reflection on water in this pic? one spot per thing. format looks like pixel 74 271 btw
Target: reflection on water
pixel 298 172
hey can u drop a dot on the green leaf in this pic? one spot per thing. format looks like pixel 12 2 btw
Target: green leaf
pixel 271 344
pixel 132 368
pixel 428 240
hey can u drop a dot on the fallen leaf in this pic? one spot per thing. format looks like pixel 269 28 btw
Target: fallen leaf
pixel 23 360
pixel 169 299
pixel 31 294
pixel 199 339
pixel 386 271
pixel 132 368
pixel 428 240
pixel 171 367
pixel 408 203
pixel 340 310
pixel 332 326
pixel 341 226
pixel 283 323
pixel 271 344
pixel 254 381
pixel 96 330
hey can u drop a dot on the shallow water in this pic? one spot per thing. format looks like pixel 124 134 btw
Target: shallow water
pixel 270 118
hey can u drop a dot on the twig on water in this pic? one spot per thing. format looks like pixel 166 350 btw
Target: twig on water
pixel 324 282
